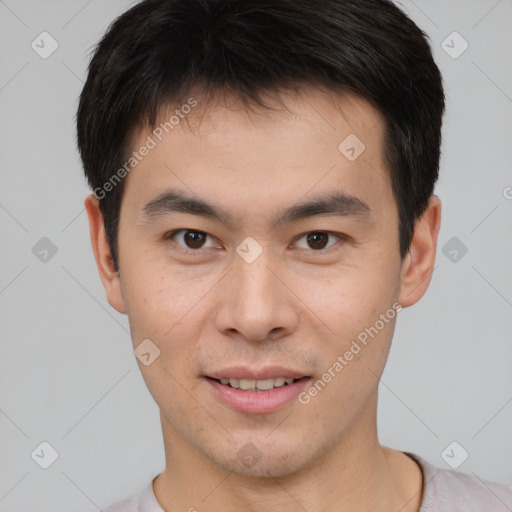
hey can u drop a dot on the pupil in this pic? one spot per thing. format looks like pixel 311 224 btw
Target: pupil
pixel 313 240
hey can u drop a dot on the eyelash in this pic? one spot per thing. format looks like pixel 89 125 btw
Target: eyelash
pixel 196 252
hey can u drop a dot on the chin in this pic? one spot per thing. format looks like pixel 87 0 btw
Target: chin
pixel 261 458
pixel 265 468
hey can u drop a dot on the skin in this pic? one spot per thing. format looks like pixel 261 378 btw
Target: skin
pixel 296 305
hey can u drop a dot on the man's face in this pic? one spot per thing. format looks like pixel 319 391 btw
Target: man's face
pixel 242 295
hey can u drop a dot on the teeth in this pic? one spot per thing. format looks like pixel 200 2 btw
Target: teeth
pixel 265 385
pixel 247 384
pixel 256 385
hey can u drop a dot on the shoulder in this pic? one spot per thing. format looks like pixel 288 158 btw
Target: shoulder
pixel 128 505
pixel 144 502
pixel 446 490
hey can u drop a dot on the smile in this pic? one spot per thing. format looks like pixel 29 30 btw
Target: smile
pixel 257 396
pixel 256 385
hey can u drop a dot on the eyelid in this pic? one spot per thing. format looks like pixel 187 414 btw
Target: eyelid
pixel 341 237
pixel 171 234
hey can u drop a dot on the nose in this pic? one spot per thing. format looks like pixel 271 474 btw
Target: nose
pixel 256 301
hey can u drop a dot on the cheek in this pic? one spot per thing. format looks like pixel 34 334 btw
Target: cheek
pixel 353 357
pixel 158 299
pixel 168 307
pixel 358 306
pixel 164 310
pixel 348 299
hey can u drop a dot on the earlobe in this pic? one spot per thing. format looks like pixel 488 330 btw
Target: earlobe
pixel 418 264
pixel 101 249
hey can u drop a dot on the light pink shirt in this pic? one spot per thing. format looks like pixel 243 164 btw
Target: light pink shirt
pixel 444 490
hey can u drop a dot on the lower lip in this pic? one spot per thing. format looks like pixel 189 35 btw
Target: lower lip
pixel 257 401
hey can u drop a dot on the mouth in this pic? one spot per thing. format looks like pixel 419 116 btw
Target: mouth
pixel 257 392
pixel 257 385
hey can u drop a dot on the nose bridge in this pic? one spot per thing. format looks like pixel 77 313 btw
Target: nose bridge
pixel 257 301
pixel 255 282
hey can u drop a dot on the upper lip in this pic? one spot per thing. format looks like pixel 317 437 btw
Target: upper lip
pixel 267 372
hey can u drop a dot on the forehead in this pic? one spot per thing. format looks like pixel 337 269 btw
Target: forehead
pixel 315 108
pixel 220 149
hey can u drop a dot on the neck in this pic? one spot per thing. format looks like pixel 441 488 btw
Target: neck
pixel 356 473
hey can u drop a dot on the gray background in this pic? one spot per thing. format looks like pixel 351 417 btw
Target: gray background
pixel 67 372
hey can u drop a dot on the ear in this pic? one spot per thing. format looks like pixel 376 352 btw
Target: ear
pixel 418 264
pixel 101 248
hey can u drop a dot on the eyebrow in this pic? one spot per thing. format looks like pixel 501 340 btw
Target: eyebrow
pixel 335 203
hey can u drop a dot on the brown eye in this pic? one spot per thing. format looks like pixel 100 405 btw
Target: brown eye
pixel 194 239
pixel 189 239
pixel 317 239
pixel 320 241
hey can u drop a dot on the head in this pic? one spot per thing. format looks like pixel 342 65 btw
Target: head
pixel 263 177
